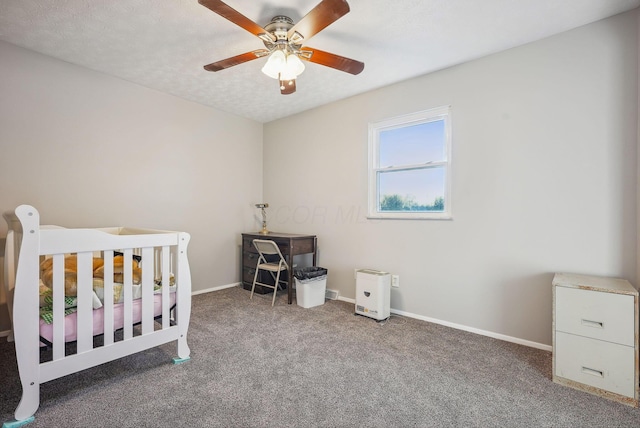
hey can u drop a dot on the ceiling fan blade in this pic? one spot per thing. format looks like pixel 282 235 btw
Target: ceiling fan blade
pixel 287 86
pixel 235 60
pixel 331 60
pixel 236 17
pixel 321 16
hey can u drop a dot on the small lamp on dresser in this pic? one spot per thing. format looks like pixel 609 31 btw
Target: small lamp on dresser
pixel 263 207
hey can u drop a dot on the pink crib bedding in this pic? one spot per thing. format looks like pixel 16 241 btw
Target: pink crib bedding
pixel 70 321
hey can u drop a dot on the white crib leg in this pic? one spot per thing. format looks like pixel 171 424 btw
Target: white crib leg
pixel 183 349
pixel 29 403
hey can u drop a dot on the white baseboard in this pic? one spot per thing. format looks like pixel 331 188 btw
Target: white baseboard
pixel 466 328
pixel 5 333
pixel 218 288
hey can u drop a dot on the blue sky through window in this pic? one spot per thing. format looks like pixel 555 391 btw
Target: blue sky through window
pixel 413 145
pixel 410 145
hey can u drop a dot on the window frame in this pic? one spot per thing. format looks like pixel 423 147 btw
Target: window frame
pixel 417 118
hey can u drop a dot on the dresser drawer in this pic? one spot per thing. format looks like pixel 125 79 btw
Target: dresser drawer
pixel 250 259
pixel 600 364
pixel 594 314
pixel 248 274
pixel 247 245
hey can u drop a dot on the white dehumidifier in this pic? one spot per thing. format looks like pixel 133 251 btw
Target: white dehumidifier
pixel 373 293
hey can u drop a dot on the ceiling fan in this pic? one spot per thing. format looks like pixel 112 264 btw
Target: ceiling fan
pixel 284 40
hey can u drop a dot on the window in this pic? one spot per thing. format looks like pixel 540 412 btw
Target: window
pixel 410 166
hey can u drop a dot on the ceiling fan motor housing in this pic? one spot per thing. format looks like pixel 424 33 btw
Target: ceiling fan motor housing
pixel 279 26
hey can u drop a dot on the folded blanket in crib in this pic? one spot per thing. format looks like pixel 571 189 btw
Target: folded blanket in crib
pixel 70 304
pixel 46 312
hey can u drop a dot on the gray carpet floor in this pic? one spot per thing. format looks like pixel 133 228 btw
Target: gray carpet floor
pixel 257 366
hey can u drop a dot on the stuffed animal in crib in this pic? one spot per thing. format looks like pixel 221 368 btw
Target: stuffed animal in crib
pixel 118 270
pixel 71 272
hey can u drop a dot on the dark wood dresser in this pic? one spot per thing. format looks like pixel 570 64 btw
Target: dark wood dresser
pixel 290 245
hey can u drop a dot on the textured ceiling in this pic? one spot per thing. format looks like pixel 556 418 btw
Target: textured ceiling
pixel 163 44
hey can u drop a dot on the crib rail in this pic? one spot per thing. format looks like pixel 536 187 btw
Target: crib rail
pixel 163 254
pixel 53 241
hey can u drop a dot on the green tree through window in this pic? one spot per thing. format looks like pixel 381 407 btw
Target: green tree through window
pixel 407 203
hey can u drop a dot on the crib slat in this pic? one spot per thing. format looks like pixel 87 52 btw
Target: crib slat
pixel 175 260
pixel 108 298
pixel 128 284
pixel 147 290
pixel 85 306
pixel 58 306
pixel 166 284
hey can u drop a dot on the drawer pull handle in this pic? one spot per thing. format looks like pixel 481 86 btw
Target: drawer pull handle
pixel 592 372
pixel 594 324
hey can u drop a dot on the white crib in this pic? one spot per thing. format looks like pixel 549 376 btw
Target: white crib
pixel 162 311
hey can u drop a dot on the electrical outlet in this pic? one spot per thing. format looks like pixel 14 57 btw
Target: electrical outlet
pixel 395 281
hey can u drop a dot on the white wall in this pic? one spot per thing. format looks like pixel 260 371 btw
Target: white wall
pixel 638 159
pixel 90 150
pixel 544 180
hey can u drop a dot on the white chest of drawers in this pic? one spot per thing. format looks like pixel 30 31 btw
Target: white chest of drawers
pixel 595 336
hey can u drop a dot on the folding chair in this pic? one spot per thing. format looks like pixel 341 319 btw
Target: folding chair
pixel 269 248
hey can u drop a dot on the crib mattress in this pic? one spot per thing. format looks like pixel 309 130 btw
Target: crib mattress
pixel 71 320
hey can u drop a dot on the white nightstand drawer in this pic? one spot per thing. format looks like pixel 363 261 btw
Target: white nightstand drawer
pixel 604 316
pixel 604 365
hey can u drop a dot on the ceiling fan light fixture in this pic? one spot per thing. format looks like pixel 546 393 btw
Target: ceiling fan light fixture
pixel 275 64
pixel 294 65
pixel 283 66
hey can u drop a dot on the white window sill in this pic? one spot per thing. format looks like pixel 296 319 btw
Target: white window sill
pixel 413 216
